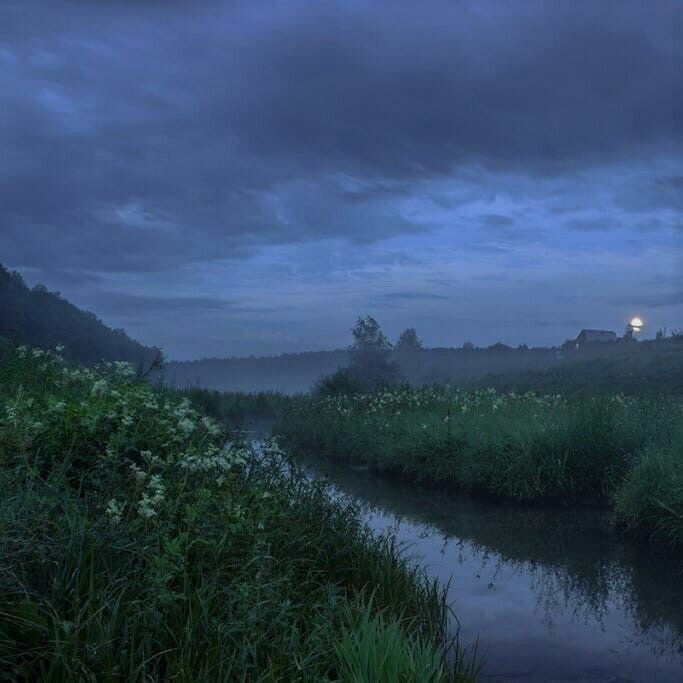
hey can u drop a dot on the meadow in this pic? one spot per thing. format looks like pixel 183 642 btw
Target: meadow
pixel 138 541
pixel 618 451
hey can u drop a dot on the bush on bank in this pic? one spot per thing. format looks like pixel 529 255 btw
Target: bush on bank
pixel 135 543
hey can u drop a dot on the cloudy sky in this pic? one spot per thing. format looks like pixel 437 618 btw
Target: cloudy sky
pixel 225 177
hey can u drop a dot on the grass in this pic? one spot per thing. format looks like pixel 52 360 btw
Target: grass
pixel 649 367
pixel 232 407
pixel 137 544
pixel 650 499
pixel 626 452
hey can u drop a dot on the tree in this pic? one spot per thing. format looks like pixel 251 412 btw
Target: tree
pixel 368 337
pixel 370 353
pixel 37 317
pixel 343 382
pixel 409 342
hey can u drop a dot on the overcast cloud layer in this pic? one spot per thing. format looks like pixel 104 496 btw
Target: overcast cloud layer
pixel 232 178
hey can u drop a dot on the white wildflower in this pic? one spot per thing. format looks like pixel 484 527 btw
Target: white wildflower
pixel 99 387
pixel 187 426
pixel 114 511
pixel 152 498
pixel 139 474
pixel 123 368
pixel 211 426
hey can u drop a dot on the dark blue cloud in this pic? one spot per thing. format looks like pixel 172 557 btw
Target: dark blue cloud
pixel 150 148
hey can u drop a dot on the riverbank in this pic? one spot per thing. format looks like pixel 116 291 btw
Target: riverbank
pixel 626 453
pixel 552 593
pixel 136 544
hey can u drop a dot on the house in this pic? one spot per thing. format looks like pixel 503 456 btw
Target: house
pixel 595 337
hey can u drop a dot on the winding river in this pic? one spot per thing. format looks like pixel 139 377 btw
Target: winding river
pixel 550 594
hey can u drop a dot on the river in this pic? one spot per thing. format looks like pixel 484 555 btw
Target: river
pixel 550 594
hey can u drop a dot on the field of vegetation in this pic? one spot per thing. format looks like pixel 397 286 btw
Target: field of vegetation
pixel 650 367
pixel 137 542
pixel 626 452
pixel 232 407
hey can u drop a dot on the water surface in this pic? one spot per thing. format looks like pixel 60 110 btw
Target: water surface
pixel 552 595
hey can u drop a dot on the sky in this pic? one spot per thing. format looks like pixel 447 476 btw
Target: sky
pixel 233 178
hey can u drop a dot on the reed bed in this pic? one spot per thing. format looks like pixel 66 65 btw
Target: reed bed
pixel 626 452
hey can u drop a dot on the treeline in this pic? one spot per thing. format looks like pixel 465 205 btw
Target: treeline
pixel 299 372
pixel 655 365
pixel 40 318
pixel 648 367
pixel 288 373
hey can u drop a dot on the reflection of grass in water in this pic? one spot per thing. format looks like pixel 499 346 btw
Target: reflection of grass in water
pixel 573 559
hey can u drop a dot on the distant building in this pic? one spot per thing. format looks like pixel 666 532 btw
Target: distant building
pixel 595 337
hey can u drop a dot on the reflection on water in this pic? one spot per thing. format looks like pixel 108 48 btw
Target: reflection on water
pixel 552 594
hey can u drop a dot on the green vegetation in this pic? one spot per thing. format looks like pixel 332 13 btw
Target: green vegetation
pixel 36 317
pixel 651 367
pixel 231 407
pixel 136 544
pixel 650 500
pixel 527 447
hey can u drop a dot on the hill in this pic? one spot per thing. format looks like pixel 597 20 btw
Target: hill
pixel 37 317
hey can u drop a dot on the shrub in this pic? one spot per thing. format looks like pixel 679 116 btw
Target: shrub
pixel 343 382
pixel 136 543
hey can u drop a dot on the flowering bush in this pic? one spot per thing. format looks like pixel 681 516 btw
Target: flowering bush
pixel 138 541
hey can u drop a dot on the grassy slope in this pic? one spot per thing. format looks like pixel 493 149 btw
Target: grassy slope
pixel 528 448
pixel 134 545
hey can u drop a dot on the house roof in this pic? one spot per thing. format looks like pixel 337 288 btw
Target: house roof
pixel 597 333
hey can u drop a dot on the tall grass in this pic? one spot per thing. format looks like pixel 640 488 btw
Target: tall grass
pixel 650 500
pixel 234 406
pixel 528 448
pixel 136 545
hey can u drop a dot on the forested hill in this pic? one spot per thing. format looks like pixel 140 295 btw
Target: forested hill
pixel 37 317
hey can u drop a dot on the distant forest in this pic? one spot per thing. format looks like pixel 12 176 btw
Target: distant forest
pixel 631 368
pixel 37 317
pixel 298 372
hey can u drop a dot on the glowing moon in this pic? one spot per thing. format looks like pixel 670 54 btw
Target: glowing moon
pixel 636 322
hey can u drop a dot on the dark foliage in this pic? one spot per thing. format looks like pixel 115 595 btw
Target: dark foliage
pixel 37 317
